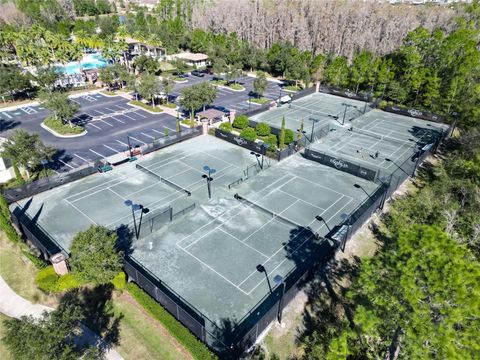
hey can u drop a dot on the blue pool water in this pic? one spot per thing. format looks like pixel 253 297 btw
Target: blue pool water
pixel 91 61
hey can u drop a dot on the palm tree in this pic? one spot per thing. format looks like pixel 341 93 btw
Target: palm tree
pixel 82 38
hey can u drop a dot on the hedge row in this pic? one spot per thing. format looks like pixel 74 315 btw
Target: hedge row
pixel 5 222
pixel 48 281
pixel 194 346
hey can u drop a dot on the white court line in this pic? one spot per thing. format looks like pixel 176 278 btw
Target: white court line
pixel 276 267
pixel 108 147
pixel 323 187
pixel 103 156
pixel 81 212
pixel 240 241
pixel 95 126
pixel 8 116
pixel 149 136
pixel 114 192
pixel 144 143
pixel 87 161
pixel 114 118
pixel 300 199
pixel 234 207
pixel 209 267
pixel 106 123
pixel 120 142
pixel 64 163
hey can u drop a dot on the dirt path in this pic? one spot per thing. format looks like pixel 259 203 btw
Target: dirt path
pixel 126 297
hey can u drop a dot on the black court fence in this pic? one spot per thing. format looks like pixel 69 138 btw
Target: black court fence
pixel 340 164
pixel 160 143
pixel 415 113
pixel 346 93
pixel 41 185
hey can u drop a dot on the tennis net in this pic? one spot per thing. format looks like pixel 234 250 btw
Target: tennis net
pixel 162 179
pixel 312 112
pixel 276 216
pixel 384 137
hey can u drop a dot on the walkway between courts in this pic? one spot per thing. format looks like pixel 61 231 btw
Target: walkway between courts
pixel 13 305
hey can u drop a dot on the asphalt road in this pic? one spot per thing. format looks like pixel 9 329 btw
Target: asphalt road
pixel 105 137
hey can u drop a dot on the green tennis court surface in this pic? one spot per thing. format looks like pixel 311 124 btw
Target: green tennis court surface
pixel 380 140
pixel 209 253
pixel 318 107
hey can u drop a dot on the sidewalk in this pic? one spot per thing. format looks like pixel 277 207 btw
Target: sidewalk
pixel 13 305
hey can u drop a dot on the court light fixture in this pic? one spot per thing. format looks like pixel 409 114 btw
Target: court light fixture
pixel 321 219
pixel 136 207
pixel 261 269
pixel 209 178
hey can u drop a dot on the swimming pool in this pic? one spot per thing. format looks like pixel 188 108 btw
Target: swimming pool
pixel 91 61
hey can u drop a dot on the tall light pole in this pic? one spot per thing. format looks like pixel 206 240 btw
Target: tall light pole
pixel 358 186
pixel 261 269
pixel 345 112
pixel 136 207
pixel 321 219
pixel 314 121
pixel 129 145
pixel 209 178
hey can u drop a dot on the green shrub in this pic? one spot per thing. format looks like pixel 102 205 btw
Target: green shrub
pixel 383 104
pixel 194 346
pixel 240 122
pixel 37 262
pixel 48 281
pixel 165 132
pixel 61 128
pixel 120 281
pixel 236 86
pixel 272 142
pixel 249 134
pixel 7 227
pixel 263 129
pixel 225 126
pixel 289 136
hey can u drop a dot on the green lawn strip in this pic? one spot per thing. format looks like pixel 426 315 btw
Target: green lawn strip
pixel 61 128
pixel 236 86
pixel 145 106
pixel 4 353
pixel 140 338
pixel 196 348
pixel 260 101
pixel 170 105
pixel 292 88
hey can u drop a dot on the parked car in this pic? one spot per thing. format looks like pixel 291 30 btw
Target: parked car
pixel 197 73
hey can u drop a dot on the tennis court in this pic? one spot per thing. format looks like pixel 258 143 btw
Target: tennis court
pixel 380 140
pixel 314 110
pixel 205 249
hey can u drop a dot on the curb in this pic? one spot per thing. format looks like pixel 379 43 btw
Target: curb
pixel 53 132
pixel 229 88
pixel 141 108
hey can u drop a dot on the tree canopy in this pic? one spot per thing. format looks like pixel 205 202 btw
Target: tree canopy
pixel 95 257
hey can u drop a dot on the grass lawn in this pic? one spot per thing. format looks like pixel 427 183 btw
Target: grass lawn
pixel 259 101
pixel 4 354
pixel 19 273
pixel 166 66
pixel 170 105
pixel 142 337
pixel 61 128
pixel 292 88
pixel 226 84
pixel 145 106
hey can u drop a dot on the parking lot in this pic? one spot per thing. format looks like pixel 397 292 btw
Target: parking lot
pixel 231 99
pixel 110 123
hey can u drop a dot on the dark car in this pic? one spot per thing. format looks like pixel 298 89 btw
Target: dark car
pixel 198 73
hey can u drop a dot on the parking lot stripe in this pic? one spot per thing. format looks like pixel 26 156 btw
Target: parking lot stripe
pixel 101 113
pixel 108 147
pixel 129 117
pixel 120 121
pixel 149 136
pixel 144 143
pixel 4 113
pixel 159 132
pixel 121 107
pixel 113 111
pixel 136 112
pixel 106 123
pixel 95 126
pixel 93 151
pixel 64 163
pixel 120 142
pixel 87 161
